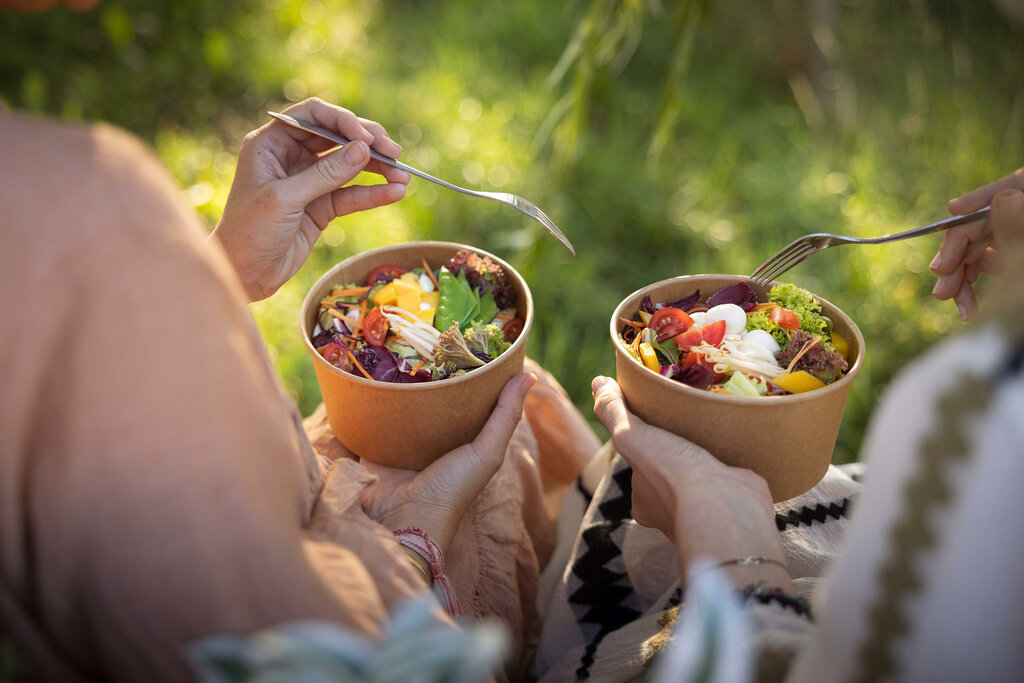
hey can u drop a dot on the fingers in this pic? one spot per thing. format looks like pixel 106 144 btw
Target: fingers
pixel 966 301
pixel 1007 219
pixel 957 245
pixel 633 437
pixel 382 141
pixel 982 197
pixel 469 468
pixel 327 174
pixel 331 117
pixel 494 437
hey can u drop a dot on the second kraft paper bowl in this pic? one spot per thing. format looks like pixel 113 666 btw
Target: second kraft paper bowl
pixel 788 440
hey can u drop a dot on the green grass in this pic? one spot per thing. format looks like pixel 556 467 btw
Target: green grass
pixel 916 103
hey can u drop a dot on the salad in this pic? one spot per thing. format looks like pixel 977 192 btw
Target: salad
pixel 420 325
pixel 731 343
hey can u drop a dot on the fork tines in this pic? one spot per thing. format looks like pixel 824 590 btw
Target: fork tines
pixel 786 258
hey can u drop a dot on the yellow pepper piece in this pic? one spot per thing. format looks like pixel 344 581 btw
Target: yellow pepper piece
pixel 431 298
pixel 842 346
pixel 426 315
pixel 386 295
pixel 411 278
pixel 648 356
pixel 798 382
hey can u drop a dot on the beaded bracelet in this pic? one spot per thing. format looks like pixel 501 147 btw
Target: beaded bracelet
pixel 417 539
pixel 765 594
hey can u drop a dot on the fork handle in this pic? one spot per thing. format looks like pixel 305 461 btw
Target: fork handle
pixel 341 140
pixel 937 226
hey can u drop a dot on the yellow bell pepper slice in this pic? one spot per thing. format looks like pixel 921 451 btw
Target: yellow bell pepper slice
pixel 386 295
pixel 798 382
pixel 842 346
pixel 648 356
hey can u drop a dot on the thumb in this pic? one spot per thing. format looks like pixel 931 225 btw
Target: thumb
pixel 487 451
pixel 609 405
pixel 330 172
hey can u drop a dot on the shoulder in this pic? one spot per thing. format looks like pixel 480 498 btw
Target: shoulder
pixel 80 179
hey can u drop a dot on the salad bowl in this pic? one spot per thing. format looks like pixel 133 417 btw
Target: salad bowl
pixel 410 425
pixel 787 439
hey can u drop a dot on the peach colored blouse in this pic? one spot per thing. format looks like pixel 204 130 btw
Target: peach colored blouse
pixel 156 483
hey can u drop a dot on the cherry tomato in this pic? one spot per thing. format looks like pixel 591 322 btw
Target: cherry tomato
pixel 385 272
pixel 375 327
pixel 784 317
pixel 713 334
pixel 668 322
pixel 512 329
pixel 333 354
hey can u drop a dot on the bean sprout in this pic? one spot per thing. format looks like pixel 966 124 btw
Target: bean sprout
pixel 412 331
pixel 747 357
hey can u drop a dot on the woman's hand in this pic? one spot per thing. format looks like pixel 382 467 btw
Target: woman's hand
pixel 437 498
pixel 286 191
pixel 710 510
pixel 969 250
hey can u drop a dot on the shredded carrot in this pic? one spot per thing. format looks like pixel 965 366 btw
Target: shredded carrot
pixel 430 274
pixel 361 368
pixel 338 314
pixel 636 325
pixel 805 349
pixel 763 307
pixel 416 368
pixel 352 291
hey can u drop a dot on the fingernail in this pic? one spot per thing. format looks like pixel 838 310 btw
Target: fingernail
pixel 936 287
pixel 963 311
pixel 599 383
pixel 356 153
pixel 527 384
pixel 934 265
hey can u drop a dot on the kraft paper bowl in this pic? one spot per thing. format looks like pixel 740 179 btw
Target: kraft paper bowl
pixel 788 440
pixel 410 425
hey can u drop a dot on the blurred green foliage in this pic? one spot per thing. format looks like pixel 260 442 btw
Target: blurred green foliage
pixel 778 119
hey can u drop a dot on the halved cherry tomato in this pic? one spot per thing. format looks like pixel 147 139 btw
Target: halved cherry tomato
pixel 375 327
pixel 784 317
pixel 385 272
pixel 334 355
pixel 512 329
pixel 668 322
pixel 713 334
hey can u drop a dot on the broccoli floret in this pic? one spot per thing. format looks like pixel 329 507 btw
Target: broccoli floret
pixel 451 350
pixel 484 274
pixel 488 340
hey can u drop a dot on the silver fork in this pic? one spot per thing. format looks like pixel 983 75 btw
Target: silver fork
pixel 801 248
pixel 527 207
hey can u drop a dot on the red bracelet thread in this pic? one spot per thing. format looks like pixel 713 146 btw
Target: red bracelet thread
pixel 417 539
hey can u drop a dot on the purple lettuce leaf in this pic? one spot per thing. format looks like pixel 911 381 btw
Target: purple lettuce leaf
pixel 385 366
pixel 696 376
pixel 740 294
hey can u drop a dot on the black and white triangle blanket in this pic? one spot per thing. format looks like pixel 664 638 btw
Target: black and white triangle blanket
pixel 607 589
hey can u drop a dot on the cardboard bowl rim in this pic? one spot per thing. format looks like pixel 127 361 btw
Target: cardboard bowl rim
pixel 839 385
pixel 413 386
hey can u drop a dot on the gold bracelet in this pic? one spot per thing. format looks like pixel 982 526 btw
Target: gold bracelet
pixel 420 566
